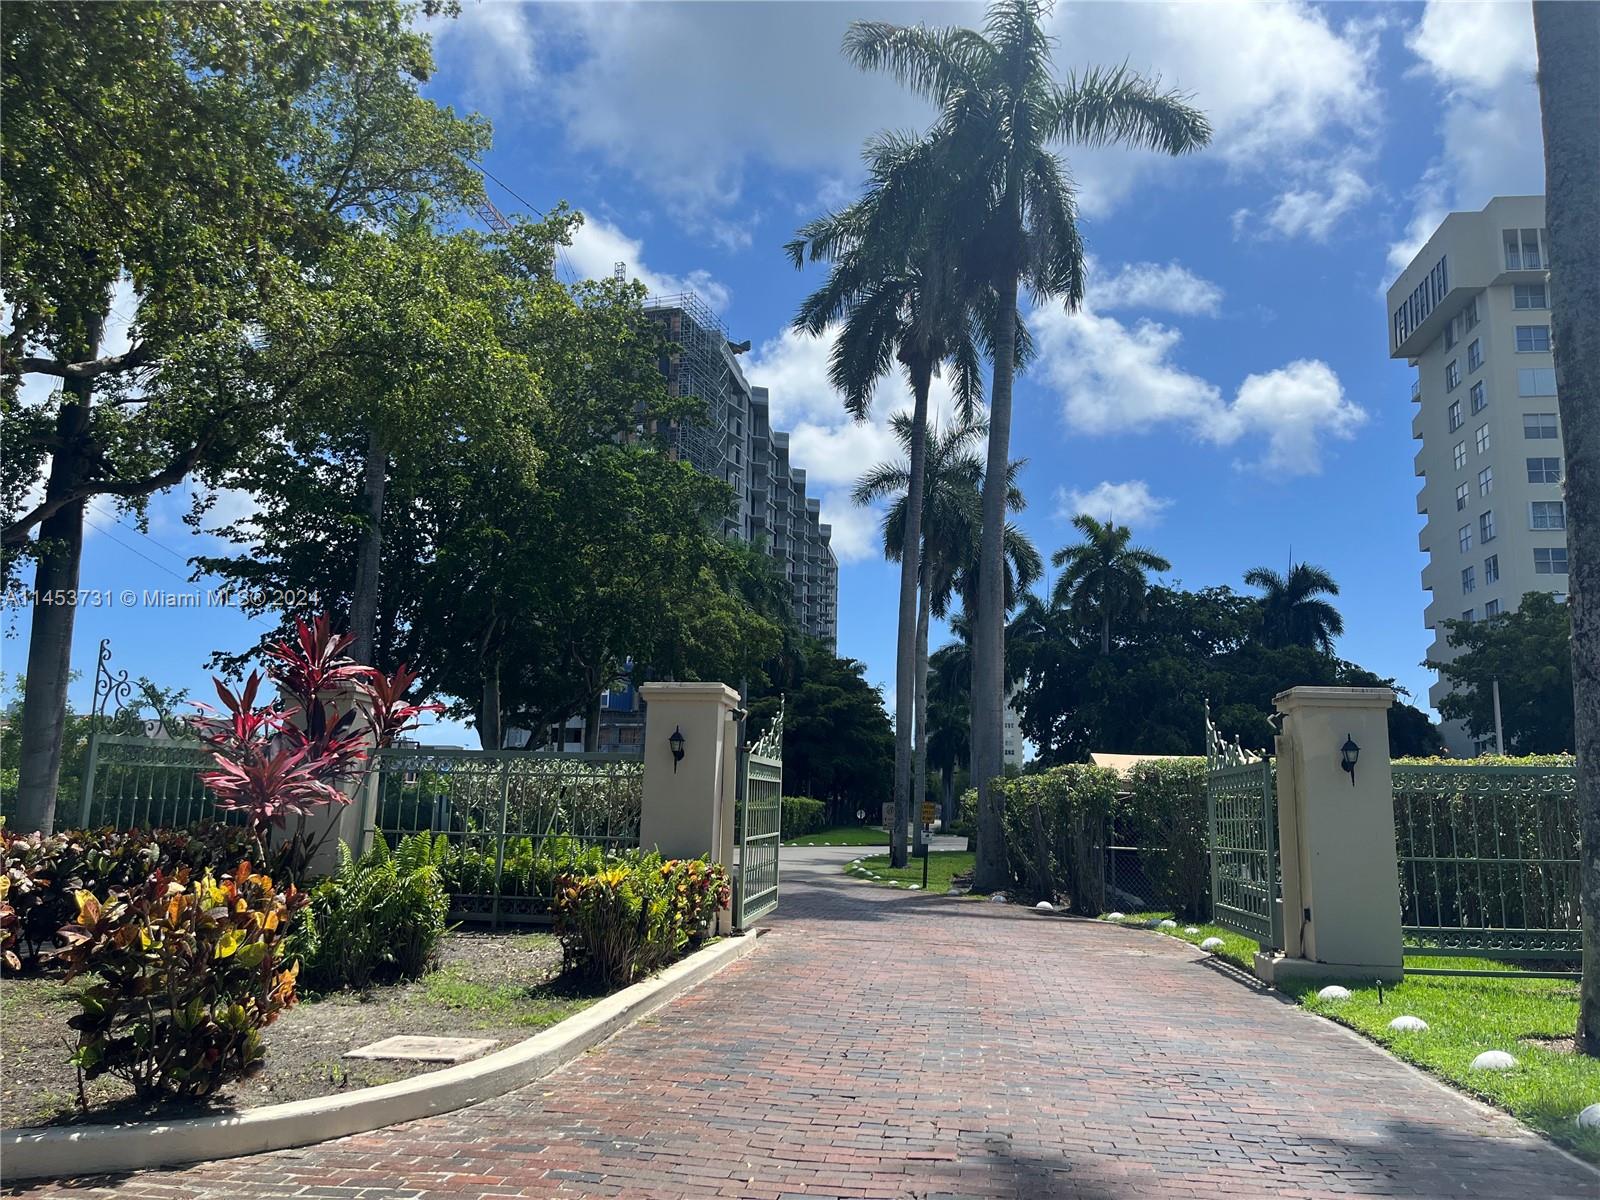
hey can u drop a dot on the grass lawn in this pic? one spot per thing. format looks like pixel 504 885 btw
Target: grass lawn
pixel 943 866
pixel 1530 1019
pixel 844 835
pixel 1236 948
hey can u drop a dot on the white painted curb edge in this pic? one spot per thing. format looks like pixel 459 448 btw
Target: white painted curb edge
pixel 103 1149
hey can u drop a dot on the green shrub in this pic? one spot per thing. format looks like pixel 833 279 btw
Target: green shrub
pixel 1055 824
pixel 378 917
pixel 187 976
pixel 44 873
pixel 966 823
pixel 1163 812
pixel 803 815
pixel 636 915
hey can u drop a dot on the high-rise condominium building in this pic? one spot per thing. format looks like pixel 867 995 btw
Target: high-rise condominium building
pixel 735 442
pixel 1472 314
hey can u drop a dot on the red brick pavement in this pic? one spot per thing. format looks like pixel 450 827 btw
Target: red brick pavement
pixel 886 1044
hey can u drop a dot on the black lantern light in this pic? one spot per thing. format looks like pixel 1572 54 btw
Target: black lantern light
pixel 1348 754
pixel 676 742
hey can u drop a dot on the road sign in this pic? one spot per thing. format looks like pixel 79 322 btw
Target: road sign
pixel 861 814
pixel 927 813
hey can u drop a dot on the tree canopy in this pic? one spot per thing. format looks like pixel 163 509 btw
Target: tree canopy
pixel 1528 651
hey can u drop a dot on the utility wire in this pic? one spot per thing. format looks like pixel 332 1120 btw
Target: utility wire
pixel 561 252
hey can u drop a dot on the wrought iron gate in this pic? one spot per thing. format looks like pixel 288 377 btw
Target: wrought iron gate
pixel 759 827
pixel 1242 814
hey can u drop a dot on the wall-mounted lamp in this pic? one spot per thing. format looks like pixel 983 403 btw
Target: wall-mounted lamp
pixel 676 742
pixel 1348 754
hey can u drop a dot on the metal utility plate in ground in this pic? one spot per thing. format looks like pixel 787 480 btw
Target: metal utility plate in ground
pixel 424 1049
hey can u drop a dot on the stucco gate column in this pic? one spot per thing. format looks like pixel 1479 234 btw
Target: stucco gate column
pixel 687 808
pixel 1341 882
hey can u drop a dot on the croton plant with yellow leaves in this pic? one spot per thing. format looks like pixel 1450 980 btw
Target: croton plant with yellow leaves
pixel 188 972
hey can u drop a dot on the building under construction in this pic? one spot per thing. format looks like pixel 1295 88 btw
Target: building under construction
pixel 732 439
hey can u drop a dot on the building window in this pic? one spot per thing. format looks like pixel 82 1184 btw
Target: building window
pixel 1474 355
pixel 1482 439
pixel 1532 339
pixel 1529 295
pixel 1491 608
pixel 1452 375
pixel 1539 425
pixel 1513 250
pixel 1486 526
pixel 1536 381
pixel 1485 481
pixel 1491 570
pixel 1464 538
pixel 1549 560
pixel 1450 332
pixel 1469 315
pixel 1547 514
pixel 1469 580
pixel 1462 492
pixel 1544 470
pixel 1522 252
pixel 1480 398
pixel 1455 414
pixel 1467 615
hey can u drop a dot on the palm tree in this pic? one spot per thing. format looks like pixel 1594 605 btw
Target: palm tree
pixel 898 300
pixel 1291 613
pixel 1000 110
pixel 1568 39
pixel 1104 577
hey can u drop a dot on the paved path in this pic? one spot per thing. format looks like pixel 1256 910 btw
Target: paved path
pixel 885 1044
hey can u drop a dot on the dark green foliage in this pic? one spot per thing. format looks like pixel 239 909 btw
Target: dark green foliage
pixel 187 974
pixel 1144 696
pixel 380 917
pixel 637 915
pixel 1530 651
pixel 837 743
pixel 44 873
pixel 1163 812
pixel 803 815
pixel 1055 824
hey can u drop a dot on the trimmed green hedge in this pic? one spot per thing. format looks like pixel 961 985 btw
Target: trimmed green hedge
pixel 803 815
pixel 1163 812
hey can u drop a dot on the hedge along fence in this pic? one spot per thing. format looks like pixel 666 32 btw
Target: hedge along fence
pixel 1161 811
pixel 801 816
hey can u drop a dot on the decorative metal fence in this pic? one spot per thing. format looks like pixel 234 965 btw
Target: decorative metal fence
pixel 1246 885
pixel 507 822
pixel 1488 860
pixel 133 781
pixel 759 828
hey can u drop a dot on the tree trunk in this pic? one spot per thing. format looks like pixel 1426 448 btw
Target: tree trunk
pixel 905 686
pixel 988 629
pixel 949 774
pixel 1105 634
pixel 369 555
pixel 591 725
pixel 490 734
pixel 60 552
pixel 1568 39
pixel 919 772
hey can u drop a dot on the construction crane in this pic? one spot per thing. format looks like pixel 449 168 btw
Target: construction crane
pixel 492 216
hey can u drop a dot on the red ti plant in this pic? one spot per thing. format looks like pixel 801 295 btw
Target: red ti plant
pixel 301 751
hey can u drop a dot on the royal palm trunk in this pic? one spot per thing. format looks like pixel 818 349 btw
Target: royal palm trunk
pixel 905 694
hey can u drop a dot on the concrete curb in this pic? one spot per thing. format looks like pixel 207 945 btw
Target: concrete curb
pixel 106 1149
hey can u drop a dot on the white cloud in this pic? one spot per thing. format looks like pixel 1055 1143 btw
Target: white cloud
pixel 1167 286
pixel 1117 379
pixel 673 93
pixel 833 448
pixel 491 44
pixel 1481 58
pixel 1315 207
pixel 598 246
pixel 1128 503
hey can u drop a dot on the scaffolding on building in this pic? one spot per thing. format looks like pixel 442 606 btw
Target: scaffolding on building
pixel 697 368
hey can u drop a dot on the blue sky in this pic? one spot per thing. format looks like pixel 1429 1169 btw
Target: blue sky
pixel 1226 388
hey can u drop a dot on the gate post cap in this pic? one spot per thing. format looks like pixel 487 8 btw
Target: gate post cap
pixel 1333 697
pixel 689 691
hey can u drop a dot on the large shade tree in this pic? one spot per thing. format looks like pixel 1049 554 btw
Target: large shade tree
pixel 1568 39
pixel 1527 655
pixel 202 156
pixel 1104 580
pixel 1000 111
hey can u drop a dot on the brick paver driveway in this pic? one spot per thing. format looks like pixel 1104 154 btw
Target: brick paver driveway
pixel 887 1044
